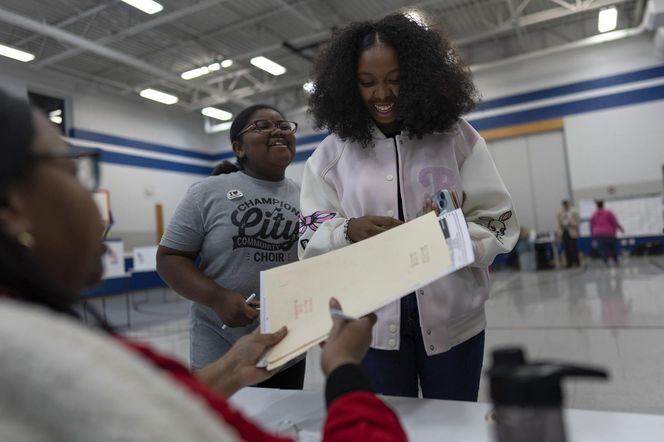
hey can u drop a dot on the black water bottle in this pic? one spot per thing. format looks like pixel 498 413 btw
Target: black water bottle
pixel 528 398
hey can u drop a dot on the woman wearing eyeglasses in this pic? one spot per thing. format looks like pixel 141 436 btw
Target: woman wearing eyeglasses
pixel 239 223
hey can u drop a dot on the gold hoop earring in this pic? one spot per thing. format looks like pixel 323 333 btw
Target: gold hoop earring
pixel 26 240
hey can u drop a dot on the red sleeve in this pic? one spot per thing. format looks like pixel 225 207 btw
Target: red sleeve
pixel 218 405
pixel 361 416
pixel 354 416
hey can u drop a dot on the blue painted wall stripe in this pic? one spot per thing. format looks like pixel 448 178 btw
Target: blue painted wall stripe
pixel 80 134
pixel 573 88
pixel 126 142
pixel 152 163
pixel 225 156
pixel 314 138
pixel 576 107
pixel 303 155
pixel 527 116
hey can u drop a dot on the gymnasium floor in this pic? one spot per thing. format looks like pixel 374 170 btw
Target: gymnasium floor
pixel 607 316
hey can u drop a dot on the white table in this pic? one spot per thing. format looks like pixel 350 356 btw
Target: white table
pixel 436 420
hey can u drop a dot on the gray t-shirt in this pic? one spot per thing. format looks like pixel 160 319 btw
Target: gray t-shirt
pixel 241 225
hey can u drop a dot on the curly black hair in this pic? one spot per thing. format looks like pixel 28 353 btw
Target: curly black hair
pixel 436 87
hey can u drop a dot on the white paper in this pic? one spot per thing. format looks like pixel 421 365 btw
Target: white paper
pixel 113 260
pixel 145 259
pixel 458 239
pixel 364 277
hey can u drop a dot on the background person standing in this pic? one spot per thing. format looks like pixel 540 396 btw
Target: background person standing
pixel 568 229
pixel 604 226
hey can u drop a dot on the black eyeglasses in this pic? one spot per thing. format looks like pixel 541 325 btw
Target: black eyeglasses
pixel 87 166
pixel 265 126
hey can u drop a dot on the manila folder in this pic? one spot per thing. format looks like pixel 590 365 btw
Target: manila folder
pixel 363 276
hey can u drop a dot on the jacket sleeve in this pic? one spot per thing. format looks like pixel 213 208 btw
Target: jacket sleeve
pixel 361 416
pixel 487 206
pixel 322 218
pixel 354 411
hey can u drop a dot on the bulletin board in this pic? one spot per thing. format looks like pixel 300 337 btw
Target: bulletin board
pixel 639 216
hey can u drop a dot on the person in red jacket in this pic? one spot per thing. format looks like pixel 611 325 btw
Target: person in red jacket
pixel 50 251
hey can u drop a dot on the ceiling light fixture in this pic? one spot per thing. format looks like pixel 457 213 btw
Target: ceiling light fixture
pixel 607 19
pixel 268 65
pixel 226 63
pixel 16 54
pixel 222 127
pixel 203 70
pixel 309 86
pixel 162 97
pixel 219 114
pixel 147 6
pixel 55 116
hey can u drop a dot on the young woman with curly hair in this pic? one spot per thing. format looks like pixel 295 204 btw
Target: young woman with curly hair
pixel 392 92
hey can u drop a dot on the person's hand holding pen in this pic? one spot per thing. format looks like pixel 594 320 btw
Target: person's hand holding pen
pixel 348 341
pixel 234 309
pixel 247 301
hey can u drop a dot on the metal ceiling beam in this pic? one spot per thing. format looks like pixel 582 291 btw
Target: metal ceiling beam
pixel 299 52
pixel 313 37
pixel 311 22
pixel 91 79
pixel 638 12
pixel 337 17
pixel 232 95
pixel 218 79
pixel 566 5
pixel 228 76
pixel 590 41
pixel 250 90
pixel 304 40
pixel 515 13
pixel 158 21
pixel 106 52
pixel 107 85
pixel 217 32
pixel 222 30
pixel 71 20
pixel 532 19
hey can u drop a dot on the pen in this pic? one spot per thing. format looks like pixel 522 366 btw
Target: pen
pixel 340 314
pixel 246 301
